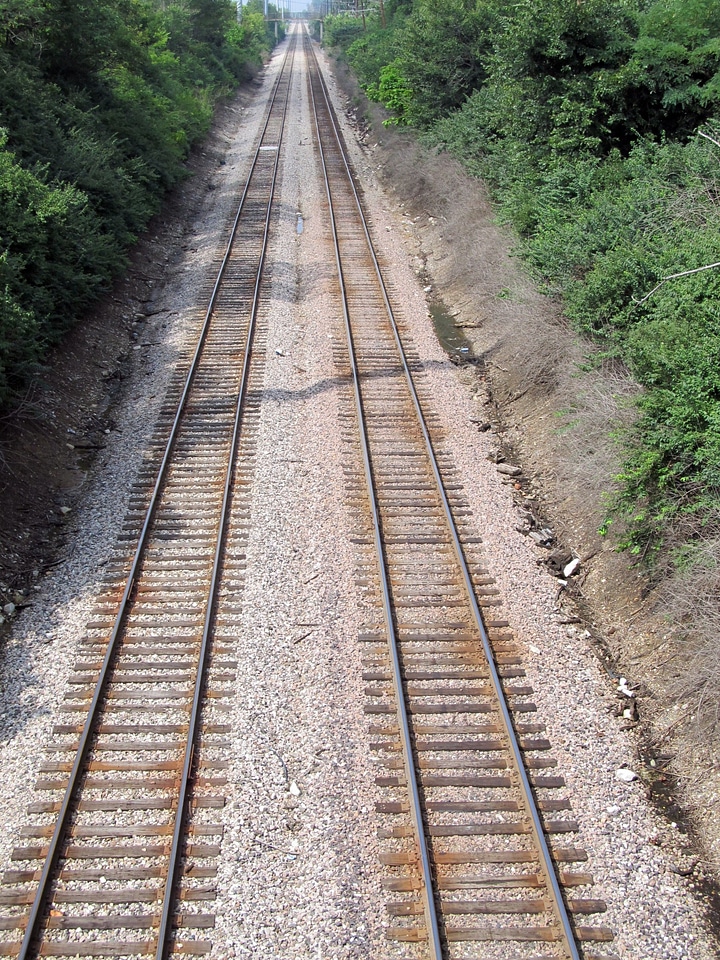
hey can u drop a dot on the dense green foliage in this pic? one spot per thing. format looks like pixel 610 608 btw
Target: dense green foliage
pixel 586 120
pixel 100 101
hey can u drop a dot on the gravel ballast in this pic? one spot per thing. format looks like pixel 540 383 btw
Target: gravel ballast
pixel 299 876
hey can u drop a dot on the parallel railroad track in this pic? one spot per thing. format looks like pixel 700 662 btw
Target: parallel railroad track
pixel 120 856
pixel 475 823
pixel 120 859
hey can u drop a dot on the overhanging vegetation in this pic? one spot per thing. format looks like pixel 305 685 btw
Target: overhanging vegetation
pixel 100 101
pixel 594 125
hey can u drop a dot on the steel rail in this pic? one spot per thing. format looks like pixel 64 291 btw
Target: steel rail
pixel 531 807
pixel 431 915
pixel 194 723
pixel 64 813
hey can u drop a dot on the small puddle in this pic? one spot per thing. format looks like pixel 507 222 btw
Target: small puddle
pixel 452 339
pixel 300 225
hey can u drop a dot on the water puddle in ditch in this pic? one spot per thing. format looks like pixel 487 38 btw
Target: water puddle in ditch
pixel 451 338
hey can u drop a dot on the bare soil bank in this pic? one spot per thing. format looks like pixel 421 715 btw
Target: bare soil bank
pixel 554 419
pixel 48 445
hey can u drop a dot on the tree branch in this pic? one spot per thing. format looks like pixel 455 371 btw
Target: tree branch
pixel 708 137
pixel 675 276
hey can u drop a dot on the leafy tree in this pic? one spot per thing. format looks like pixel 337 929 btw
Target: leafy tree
pixel 444 54
pixel 553 74
pixel 211 20
pixel 100 101
pixel 374 51
pixel 341 30
pixel 673 78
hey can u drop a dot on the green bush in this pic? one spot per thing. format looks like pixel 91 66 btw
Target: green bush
pixel 100 101
pixel 54 257
pixel 394 92
pixel 583 119
pixel 603 233
pixel 19 341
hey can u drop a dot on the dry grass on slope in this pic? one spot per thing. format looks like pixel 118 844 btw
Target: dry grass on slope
pixel 692 601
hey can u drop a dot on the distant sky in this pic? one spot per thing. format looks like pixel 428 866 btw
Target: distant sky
pixel 294 6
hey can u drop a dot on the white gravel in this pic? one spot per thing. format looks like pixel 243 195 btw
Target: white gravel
pixel 300 877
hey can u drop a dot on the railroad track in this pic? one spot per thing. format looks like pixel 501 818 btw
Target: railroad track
pixel 475 826
pixel 119 859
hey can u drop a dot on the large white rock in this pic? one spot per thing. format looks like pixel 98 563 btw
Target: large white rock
pixel 625 775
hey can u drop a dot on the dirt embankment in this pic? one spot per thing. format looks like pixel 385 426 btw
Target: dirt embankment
pixel 556 419
pixel 49 443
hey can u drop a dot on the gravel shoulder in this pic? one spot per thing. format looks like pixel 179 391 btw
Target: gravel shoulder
pixel 300 876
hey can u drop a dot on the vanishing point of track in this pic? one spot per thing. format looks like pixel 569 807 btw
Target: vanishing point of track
pixel 121 856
